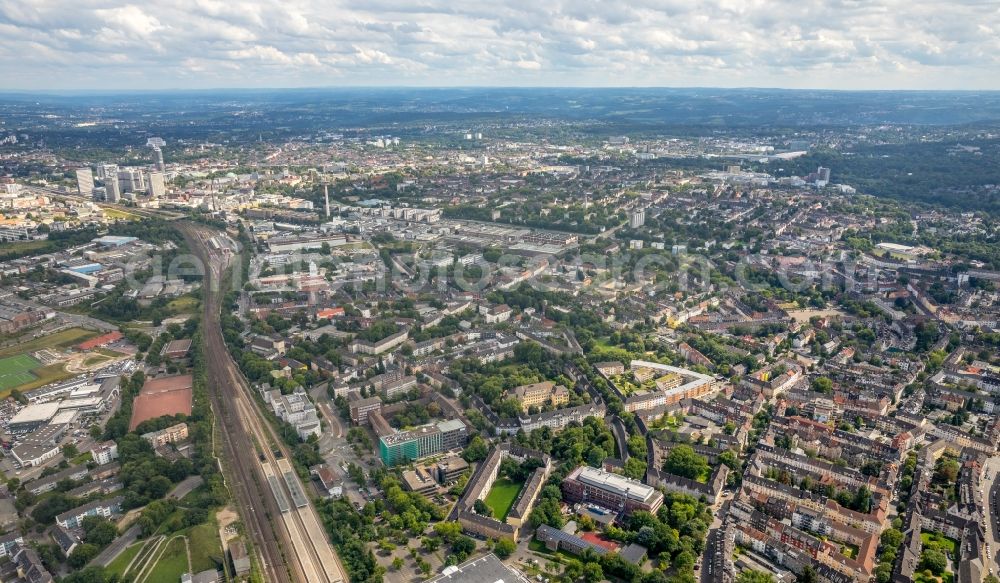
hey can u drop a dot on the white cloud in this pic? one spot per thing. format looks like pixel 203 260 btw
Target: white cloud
pixel 60 44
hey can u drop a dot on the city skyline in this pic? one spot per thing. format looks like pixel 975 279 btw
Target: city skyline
pixel 202 44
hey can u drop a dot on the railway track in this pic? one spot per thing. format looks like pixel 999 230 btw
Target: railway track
pixel 276 484
pixel 251 498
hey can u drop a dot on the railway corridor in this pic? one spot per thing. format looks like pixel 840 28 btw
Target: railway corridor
pixel 281 521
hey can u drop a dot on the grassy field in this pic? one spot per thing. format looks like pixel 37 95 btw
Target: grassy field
pixel 19 370
pixel 52 373
pixel 18 247
pixel 113 213
pixel 62 339
pixel 206 548
pixel 183 305
pixel 921 577
pixel 95 359
pixel 502 496
pixel 936 540
pixel 16 371
pixel 171 565
pixel 118 565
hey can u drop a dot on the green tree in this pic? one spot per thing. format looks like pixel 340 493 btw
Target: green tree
pixel 753 576
pixel 934 561
pixel 592 572
pixel 808 575
pixel 683 461
pixel 476 451
pixel 82 555
pixel 823 385
pixel 449 531
pixel 483 509
pixel 463 547
pixel 504 548
pixel 70 451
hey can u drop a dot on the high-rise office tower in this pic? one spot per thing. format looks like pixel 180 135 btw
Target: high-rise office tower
pixel 132 180
pixel 105 170
pixel 85 182
pixel 158 159
pixel 637 218
pixel 112 190
pixel 326 199
pixel 157 185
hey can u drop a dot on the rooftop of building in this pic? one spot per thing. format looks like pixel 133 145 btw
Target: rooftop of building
pixel 614 483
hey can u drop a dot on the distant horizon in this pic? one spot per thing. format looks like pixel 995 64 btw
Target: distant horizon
pixel 349 88
pixel 882 45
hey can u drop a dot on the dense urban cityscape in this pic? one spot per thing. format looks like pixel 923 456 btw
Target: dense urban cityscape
pixel 245 339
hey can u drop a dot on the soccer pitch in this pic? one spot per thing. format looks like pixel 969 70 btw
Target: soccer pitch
pixel 16 370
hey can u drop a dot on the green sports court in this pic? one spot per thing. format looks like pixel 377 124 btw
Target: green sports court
pixel 16 370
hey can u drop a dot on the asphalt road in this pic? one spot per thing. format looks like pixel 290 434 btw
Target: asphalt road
pixel 131 535
pixel 117 546
pixel 991 511
pixel 621 437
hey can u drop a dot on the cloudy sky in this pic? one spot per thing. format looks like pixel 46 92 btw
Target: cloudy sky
pixel 174 44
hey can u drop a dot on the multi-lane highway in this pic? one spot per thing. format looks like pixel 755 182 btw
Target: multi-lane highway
pixel 282 521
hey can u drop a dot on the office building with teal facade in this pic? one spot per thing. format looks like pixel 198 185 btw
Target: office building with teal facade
pixel 406 446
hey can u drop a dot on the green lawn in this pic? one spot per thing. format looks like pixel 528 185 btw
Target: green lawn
pixel 41 377
pixel 183 305
pixel 922 577
pixel 502 496
pixel 16 371
pixel 113 213
pixel 16 248
pixel 62 339
pixel 118 565
pixel 940 542
pixel 206 548
pixel 171 565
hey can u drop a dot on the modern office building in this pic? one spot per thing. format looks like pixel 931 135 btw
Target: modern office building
pixel 406 446
pixel 105 170
pixel 157 184
pixel 637 218
pixel 611 491
pixel 158 159
pixel 132 180
pixel 85 182
pixel 112 190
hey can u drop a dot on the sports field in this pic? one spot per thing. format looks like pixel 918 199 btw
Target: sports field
pixel 16 371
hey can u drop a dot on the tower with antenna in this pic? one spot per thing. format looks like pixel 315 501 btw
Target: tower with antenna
pixel 215 204
pixel 326 199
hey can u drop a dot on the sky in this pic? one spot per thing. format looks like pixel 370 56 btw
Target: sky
pixel 206 44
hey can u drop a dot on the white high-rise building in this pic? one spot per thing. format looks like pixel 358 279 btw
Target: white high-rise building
pixel 85 182
pixel 637 218
pixel 132 180
pixel 158 159
pixel 105 170
pixel 822 176
pixel 112 190
pixel 157 185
